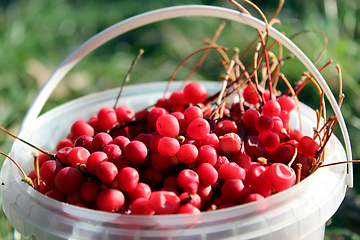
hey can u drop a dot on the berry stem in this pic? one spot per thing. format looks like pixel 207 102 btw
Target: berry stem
pixel 127 78
pixel 37 171
pixel 317 31
pixel 282 77
pixel 52 156
pixel 337 163
pixel 26 178
pixel 294 156
pixel 212 42
pixel 187 58
pixel 223 88
pixel 298 175
pixel 341 94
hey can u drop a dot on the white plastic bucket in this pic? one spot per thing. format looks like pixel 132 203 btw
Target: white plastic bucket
pixel 297 213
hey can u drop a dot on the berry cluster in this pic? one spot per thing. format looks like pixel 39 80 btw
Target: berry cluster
pixel 185 154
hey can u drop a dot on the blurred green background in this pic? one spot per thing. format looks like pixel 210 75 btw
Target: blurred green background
pixel 36 35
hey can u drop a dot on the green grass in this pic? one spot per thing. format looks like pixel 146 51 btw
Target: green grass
pixel 37 35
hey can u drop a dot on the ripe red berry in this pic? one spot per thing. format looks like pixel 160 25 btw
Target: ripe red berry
pixel 188 181
pixel 164 202
pixel 168 126
pixel 135 151
pixel 225 126
pixel 141 206
pixel 90 190
pixel 79 128
pixel 68 180
pixel 127 179
pixel 271 108
pixel 250 95
pixel 235 191
pixel 195 92
pixel 308 146
pixel 106 172
pixel 287 103
pixel 198 128
pixel 77 155
pixel 207 174
pixel 110 200
pixel 230 143
pixel 124 114
pixel 280 176
pixel 192 113
pixel 48 171
pixel 168 146
pixel 107 118
pixel 187 153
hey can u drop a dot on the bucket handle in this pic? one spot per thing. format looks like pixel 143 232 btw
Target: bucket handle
pixel 175 12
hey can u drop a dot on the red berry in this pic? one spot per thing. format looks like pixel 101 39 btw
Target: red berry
pixel 198 128
pixel 195 92
pixel 168 126
pixel 107 118
pixel 110 200
pixel 230 143
pixel 124 114
pixel 164 202
pixel 68 180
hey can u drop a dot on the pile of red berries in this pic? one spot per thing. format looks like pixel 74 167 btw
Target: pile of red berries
pixel 179 157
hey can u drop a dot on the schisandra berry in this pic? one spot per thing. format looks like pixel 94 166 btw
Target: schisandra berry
pixel 127 179
pixel 168 126
pixel 249 117
pixel 225 126
pixel 69 180
pixel 85 142
pixel 90 190
pixel 271 108
pixel 195 92
pixel 178 100
pixel 230 143
pixel 187 153
pixel 270 139
pixel 231 170
pixel 207 154
pixel 154 114
pixel 142 190
pixel 48 171
pixel 141 206
pixel 77 155
pixel 280 176
pixel 287 103
pixel 100 140
pixel 264 123
pixel 164 202
pixel 168 146
pixel 250 94
pixel 188 181
pixel 107 118
pixel 192 113
pixel 207 174
pixel 135 151
pixel 106 172
pixel 124 114
pixel 188 209
pixel 235 191
pixel 198 128
pixel 79 128
pixel 110 200
pixel 308 146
